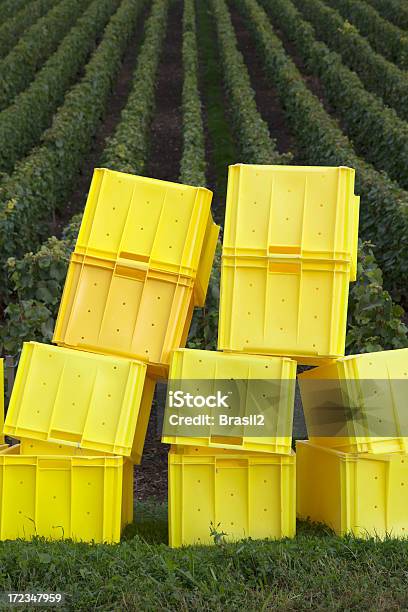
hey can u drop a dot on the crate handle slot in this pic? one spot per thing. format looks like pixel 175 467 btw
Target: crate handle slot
pixel 231 463
pixel 134 256
pixel 230 440
pixel 285 249
pixel 284 268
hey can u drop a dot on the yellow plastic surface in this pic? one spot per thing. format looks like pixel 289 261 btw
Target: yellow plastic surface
pixel 363 494
pixel 92 401
pixel 29 446
pixel 1 397
pixel 289 253
pixel 306 211
pixel 159 224
pixel 239 493
pixel 371 383
pixel 191 364
pixel 356 209
pixel 295 308
pixel 62 496
pixel 142 261
pixel 143 419
pixel 206 261
pixel 40 448
pixel 125 311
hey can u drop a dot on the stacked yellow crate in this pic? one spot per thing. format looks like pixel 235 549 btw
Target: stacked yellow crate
pixel 238 480
pixel 353 472
pixel 141 263
pixel 289 254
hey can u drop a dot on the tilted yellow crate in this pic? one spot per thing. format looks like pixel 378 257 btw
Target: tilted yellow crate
pixel 142 261
pixel 157 223
pixel 97 402
pixel 363 494
pixel 124 311
pixel 358 403
pixel 58 496
pixel 260 390
pixel 289 254
pixel 237 494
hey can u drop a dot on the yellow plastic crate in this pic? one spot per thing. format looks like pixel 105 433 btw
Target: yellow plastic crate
pixel 62 496
pixel 297 309
pixel 191 365
pixel 142 261
pixel 122 310
pixel 80 399
pixel 241 494
pixel 289 254
pixel 366 495
pixel 157 224
pixel 297 211
pixel 40 448
pixel 363 397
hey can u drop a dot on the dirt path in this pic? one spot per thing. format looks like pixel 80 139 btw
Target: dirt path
pixel 151 476
pixel 166 129
pixel 267 99
pixel 312 82
pixel 114 107
pixel 221 148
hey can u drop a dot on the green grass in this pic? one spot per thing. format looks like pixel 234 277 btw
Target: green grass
pixel 315 571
